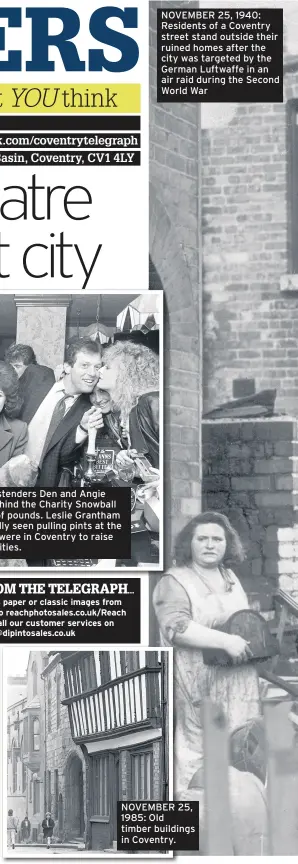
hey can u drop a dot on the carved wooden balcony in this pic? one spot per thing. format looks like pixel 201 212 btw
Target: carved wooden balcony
pixel 132 701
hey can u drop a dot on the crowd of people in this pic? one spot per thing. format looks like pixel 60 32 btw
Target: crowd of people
pixel 22 833
pixel 114 391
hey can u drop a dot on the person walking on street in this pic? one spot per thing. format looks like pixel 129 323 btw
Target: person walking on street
pixel 25 829
pixel 48 826
pixel 12 827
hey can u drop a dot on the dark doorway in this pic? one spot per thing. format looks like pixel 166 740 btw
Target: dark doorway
pixel 74 798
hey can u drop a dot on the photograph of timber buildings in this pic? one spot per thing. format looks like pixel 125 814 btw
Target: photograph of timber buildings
pixel 85 730
pixel 224 247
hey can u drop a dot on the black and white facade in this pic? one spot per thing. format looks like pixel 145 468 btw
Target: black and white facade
pixel 118 711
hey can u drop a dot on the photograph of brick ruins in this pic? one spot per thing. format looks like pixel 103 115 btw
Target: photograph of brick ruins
pixel 224 241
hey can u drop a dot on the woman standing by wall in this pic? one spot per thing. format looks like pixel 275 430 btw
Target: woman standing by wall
pixel 191 601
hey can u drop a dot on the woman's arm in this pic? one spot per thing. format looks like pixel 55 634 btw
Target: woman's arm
pixel 172 607
pixel 198 636
pixel 173 611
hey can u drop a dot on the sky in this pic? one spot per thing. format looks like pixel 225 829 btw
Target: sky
pixel 18 659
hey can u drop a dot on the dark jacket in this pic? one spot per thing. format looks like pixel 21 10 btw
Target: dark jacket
pixel 25 829
pixel 35 383
pixel 62 451
pixel 13 438
pixel 144 426
pixel 48 829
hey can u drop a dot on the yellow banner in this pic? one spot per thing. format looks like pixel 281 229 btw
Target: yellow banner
pixel 70 99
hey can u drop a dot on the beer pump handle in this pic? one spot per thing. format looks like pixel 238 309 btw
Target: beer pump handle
pixel 91 450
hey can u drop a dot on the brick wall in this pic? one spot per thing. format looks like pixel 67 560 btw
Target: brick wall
pixel 250 473
pixel 251 329
pixel 174 249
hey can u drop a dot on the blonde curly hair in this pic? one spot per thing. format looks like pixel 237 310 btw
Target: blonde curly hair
pixel 137 372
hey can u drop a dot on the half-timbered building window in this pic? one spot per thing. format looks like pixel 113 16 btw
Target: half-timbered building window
pixel 83 673
pixel 142 775
pixel 119 663
pixel 129 691
pixel 115 665
pixel 100 785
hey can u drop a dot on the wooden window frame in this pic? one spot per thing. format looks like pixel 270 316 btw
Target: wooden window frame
pixel 103 795
pixel 136 753
pixel 35 720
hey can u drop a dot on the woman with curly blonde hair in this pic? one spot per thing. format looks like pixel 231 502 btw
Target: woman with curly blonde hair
pixel 130 375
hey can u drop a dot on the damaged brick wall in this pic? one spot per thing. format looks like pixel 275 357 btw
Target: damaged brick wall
pixel 250 472
pixel 174 250
pixel 251 328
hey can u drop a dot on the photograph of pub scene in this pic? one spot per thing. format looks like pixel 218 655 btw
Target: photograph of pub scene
pixel 81 408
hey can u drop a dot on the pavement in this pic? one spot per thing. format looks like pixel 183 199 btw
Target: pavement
pixel 55 848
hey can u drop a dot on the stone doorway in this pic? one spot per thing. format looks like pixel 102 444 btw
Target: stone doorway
pixel 74 798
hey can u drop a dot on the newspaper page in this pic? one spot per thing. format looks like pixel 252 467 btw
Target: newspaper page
pixel 150 709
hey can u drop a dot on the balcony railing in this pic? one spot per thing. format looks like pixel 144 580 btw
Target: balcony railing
pixel 132 700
